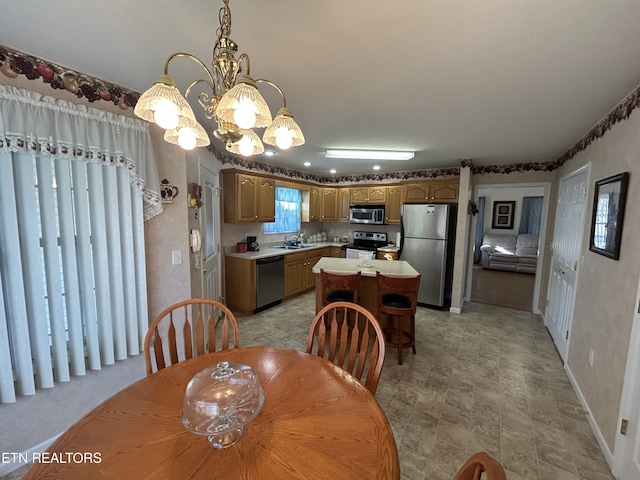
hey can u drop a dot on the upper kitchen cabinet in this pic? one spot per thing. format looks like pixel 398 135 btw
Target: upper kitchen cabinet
pixel 344 202
pixel 315 205
pixel 393 207
pixel 248 198
pixel 329 205
pixel 368 195
pixel 445 191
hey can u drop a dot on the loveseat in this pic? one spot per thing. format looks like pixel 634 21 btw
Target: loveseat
pixel 510 252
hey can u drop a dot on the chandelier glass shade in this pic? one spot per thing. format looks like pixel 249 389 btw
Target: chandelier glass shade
pixel 164 104
pixel 283 132
pixel 188 137
pixel 248 145
pixel 231 98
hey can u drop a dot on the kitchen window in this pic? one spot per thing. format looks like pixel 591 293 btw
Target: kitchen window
pixel 288 202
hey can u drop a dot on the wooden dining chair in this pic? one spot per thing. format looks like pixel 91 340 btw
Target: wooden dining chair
pixel 356 346
pixel 397 297
pixel 478 464
pixel 188 329
pixel 337 287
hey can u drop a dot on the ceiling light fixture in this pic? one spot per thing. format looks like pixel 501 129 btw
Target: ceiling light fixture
pixel 369 154
pixel 234 102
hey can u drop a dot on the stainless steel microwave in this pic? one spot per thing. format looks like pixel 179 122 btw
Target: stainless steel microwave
pixel 371 214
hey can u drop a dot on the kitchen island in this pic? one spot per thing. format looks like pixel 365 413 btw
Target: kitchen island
pixel 368 299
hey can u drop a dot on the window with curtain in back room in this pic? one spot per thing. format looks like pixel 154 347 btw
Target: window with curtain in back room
pixel 288 201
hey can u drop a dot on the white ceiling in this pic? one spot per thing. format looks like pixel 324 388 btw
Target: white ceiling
pixel 497 81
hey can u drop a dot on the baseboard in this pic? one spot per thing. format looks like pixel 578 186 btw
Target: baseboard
pixel 455 310
pixel 23 458
pixel 608 455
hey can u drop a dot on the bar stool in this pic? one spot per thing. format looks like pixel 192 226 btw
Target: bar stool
pixel 398 298
pixel 338 287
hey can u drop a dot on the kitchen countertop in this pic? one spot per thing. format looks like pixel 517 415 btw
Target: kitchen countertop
pixel 399 268
pixel 270 251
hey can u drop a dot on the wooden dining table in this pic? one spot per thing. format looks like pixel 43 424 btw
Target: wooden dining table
pixel 317 422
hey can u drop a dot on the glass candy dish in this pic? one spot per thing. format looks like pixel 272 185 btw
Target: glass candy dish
pixel 220 400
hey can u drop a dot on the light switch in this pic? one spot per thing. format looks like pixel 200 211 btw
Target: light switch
pixel 176 257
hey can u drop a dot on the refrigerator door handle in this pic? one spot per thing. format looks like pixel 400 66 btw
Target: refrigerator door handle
pixel 401 237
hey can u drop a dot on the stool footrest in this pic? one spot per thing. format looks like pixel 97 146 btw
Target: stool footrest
pixel 391 338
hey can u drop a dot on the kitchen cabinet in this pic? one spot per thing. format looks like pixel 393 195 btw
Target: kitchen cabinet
pixel 294 273
pixel 431 191
pixel 298 276
pixel 335 252
pixel 344 202
pixel 267 200
pixel 240 284
pixel 329 204
pixel 368 195
pixel 393 207
pixel 315 204
pixel 248 198
pixel 312 258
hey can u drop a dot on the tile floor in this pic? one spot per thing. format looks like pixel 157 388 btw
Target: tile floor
pixel 488 379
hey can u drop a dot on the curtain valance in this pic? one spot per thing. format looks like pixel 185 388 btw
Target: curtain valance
pixel 46 126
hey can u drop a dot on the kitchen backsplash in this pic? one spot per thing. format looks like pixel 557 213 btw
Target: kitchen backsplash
pixel 238 232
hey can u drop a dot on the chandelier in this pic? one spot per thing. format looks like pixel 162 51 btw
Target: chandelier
pixel 234 103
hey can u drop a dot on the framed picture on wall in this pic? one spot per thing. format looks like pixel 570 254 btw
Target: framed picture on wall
pixel 609 200
pixel 503 215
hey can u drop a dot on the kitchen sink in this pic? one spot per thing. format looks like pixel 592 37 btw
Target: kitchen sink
pixel 296 247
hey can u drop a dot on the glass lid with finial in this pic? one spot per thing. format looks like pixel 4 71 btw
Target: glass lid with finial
pixel 220 400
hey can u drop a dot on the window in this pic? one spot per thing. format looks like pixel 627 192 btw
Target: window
pixel 288 202
pixel 72 263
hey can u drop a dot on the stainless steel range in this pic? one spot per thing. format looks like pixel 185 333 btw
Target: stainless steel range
pixel 368 241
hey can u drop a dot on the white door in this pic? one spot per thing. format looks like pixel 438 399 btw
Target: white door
pixel 565 257
pixel 627 447
pixel 211 270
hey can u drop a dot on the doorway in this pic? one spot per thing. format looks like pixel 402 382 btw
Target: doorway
pixel 505 288
pixel 211 262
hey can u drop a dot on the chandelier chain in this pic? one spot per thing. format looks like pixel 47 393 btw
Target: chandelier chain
pixel 224 30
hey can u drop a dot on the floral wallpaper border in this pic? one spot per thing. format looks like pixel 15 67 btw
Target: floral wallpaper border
pixel 227 159
pixel 14 63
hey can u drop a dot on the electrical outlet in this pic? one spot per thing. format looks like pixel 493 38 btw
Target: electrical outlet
pixel 591 355
pixel 176 257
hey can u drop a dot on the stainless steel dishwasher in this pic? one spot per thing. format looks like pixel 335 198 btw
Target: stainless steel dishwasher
pixel 269 281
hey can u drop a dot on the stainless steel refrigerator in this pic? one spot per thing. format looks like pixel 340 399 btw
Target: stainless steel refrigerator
pixel 427 241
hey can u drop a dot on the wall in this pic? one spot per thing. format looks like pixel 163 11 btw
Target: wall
pixel 167 283
pixel 463 226
pixel 507 193
pixel 608 284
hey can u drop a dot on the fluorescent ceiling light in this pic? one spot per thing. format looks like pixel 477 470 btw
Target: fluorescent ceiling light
pixel 369 154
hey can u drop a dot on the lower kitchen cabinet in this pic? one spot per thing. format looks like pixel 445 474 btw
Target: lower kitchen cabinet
pixel 298 276
pixel 294 273
pixel 240 277
pixel 240 284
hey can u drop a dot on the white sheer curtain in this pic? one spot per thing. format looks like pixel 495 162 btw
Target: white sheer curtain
pixel 72 265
